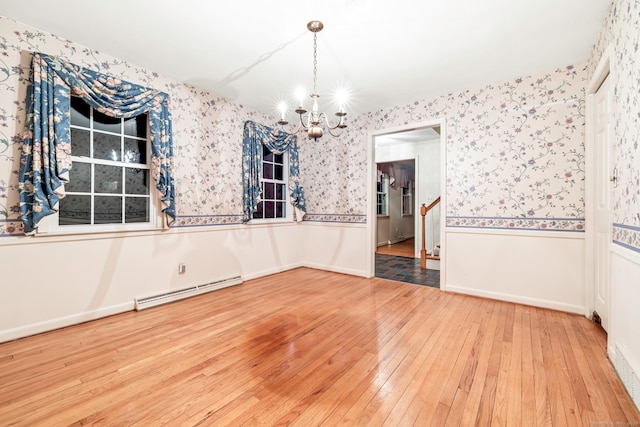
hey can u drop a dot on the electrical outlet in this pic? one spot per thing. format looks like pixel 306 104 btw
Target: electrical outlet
pixel 182 268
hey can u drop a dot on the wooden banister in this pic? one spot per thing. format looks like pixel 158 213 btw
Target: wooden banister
pixel 423 212
pixel 432 205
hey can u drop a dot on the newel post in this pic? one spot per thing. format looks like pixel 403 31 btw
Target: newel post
pixel 423 251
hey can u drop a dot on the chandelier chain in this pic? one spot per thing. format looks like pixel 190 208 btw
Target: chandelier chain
pixel 315 62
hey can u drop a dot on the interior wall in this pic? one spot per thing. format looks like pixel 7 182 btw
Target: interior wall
pixel 53 281
pixel 514 164
pixel 621 32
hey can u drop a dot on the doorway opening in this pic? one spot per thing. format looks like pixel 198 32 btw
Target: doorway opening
pixel 407 173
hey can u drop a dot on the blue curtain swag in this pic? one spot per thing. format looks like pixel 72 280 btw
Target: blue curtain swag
pixel 278 142
pixel 45 159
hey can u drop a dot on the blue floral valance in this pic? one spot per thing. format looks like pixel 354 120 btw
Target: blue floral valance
pixel 277 142
pixel 45 161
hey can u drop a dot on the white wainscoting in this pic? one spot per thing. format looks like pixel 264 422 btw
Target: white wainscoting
pixel 543 269
pixel 57 281
pixel 624 318
pixel 341 248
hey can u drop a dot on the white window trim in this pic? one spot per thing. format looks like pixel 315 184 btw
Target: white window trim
pixel 410 203
pixel 49 225
pixel 288 207
pixel 385 191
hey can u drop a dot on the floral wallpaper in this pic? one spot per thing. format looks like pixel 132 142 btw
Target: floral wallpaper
pixel 207 129
pixel 515 149
pixel 515 154
pixel 621 31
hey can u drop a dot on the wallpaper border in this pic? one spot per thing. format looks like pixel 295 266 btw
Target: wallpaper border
pixel 338 218
pixel 576 225
pixel 13 230
pixel 183 221
pixel 627 236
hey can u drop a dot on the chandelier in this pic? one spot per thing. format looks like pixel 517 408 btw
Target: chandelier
pixel 313 121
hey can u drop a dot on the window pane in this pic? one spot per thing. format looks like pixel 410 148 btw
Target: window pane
pixel 106 147
pixel 136 209
pixel 136 126
pixel 74 209
pixel 106 123
pixel 79 178
pixel 79 112
pixel 136 181
pixel 267 155
pixel 80 141
pixel 269 210
pixel 279 172
pixel 280 210
pixel 135 151
pixel 267 171
pixel 258 213
pixel 108 179
pixel 108 210
pixel 269 192
pixel 278 158
pixel 280 192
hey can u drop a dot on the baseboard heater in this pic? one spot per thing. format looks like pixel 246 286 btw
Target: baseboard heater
pixel 630 377
pixel 147 302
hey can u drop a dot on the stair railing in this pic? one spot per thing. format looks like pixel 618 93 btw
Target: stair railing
pixel 423 212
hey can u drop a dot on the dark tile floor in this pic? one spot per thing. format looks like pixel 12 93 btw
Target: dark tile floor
pixel 405 269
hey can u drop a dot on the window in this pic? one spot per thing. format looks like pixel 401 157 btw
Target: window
pixel 382 195
pixel 109 183
pixel 273 186
pixel 407 205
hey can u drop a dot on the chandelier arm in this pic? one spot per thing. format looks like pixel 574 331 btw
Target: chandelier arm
pixel 334 134
pixel 339 125
pixel 293 132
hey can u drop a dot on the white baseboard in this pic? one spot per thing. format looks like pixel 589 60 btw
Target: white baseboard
pixel 62 322
pixel 394 241
pixel 352 272
pixel 270 271
pixel 569 308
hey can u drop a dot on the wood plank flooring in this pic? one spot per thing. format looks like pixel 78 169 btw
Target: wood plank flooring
pixel 307 348
pixel 404 248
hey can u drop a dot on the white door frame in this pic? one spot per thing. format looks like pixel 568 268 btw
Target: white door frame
pixel 604 69
pixel 371 192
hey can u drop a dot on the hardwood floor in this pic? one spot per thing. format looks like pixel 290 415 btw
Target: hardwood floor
pixel 307 347
pixel 404 248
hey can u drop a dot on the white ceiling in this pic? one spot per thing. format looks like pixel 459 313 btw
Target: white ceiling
pixel 385 53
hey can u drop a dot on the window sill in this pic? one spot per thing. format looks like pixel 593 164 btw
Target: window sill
pixel 383 216
pixel 98 233
pixel 268 222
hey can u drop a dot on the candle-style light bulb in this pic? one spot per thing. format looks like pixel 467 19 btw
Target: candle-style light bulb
pixel 283 109
pixel 300 95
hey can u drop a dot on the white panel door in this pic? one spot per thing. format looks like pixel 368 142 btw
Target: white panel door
pixel 603 182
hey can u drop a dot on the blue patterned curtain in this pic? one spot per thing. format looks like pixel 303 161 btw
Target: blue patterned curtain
pixel 277 142
pixel 45 161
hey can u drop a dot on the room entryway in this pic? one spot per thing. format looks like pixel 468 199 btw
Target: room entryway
pixel 408 168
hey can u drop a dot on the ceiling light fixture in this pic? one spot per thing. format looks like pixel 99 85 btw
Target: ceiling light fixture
pixel 312 121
